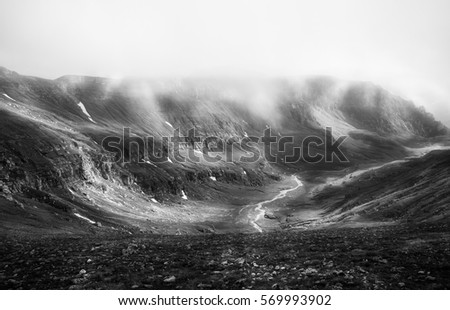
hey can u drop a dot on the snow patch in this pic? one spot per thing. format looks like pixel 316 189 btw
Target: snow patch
pixel 84 218
pixel 169 160
pixel 200 154
pixel 149 162
pixel 213 178
pixel 183 195
pixel 83 108
pixel 154 200
pixel 245 134
pixel 4 94
pixel 169 124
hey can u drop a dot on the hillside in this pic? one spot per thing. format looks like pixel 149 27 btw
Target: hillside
pixel 413 191
pixel 57 178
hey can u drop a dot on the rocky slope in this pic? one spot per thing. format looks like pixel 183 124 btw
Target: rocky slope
pixel 411 257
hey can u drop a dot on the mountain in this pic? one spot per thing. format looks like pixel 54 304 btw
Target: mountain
pixel 56 175
pixel 94 191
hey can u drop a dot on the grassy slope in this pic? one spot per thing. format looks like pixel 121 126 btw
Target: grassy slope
pixel 412 191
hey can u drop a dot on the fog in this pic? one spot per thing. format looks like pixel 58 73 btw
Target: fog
pixel 400 45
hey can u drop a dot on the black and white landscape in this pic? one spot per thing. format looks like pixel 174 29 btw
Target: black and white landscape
pixel 208 144
pixel 75 216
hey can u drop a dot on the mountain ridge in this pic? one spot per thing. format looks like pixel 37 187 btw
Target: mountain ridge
pixel 65 120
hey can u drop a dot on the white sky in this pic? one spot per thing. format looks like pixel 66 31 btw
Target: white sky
pixel 403 45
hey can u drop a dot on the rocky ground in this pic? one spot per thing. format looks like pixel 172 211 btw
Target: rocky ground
pixel 387 257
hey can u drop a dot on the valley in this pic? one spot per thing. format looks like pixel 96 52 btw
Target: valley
pixel 145 216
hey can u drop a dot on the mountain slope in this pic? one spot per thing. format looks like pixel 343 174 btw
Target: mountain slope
pixel 406 191
pixel 54 169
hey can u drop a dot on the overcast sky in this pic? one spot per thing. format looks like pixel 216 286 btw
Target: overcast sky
pixel 402 45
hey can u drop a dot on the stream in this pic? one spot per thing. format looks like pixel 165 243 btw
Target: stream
pixel 256 211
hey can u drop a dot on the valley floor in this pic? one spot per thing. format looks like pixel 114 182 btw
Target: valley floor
pixel 388 257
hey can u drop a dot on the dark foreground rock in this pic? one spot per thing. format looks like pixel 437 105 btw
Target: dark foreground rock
pixel 386 257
